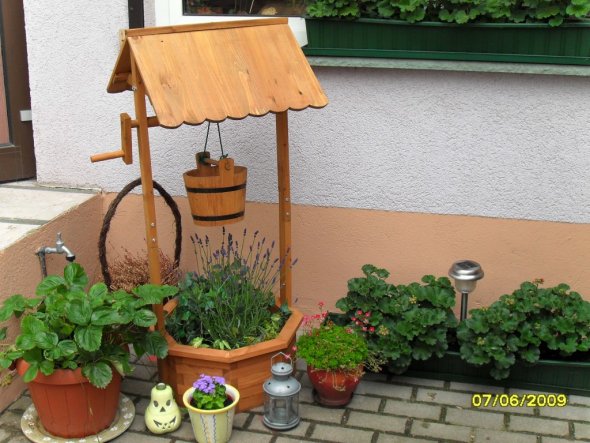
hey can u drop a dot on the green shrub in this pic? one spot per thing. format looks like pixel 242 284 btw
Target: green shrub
pixel 229 302
pixel 530 323
pixel 553 12
pixel 402 322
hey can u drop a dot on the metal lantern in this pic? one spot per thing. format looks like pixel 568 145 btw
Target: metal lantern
pixel 281 396
pixel 466 273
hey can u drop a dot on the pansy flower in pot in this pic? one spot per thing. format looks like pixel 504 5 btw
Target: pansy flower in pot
pixel 211 405
pixel 336 357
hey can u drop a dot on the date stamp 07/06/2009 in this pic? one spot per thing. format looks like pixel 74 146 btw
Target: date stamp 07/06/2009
pixel 484 400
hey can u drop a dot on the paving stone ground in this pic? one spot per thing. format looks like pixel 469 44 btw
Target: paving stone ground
pixel 385 409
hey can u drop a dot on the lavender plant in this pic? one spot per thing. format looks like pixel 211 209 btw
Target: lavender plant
pixel 229 302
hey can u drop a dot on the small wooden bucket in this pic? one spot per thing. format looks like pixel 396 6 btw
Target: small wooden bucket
pixel 216 191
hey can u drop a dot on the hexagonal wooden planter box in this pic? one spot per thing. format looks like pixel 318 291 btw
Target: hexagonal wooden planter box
pixel 245 368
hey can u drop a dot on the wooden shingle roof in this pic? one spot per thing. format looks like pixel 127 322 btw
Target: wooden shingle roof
pixel 214 71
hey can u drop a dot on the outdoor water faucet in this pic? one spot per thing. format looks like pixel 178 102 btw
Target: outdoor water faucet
pixel 60 248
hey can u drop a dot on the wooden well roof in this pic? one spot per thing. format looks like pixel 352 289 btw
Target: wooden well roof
pixel 214 71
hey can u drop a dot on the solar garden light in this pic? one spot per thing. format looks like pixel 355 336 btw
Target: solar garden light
pixel 281 396
pixel 466 273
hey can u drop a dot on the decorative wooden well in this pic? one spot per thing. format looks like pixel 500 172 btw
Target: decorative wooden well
pixel 210 72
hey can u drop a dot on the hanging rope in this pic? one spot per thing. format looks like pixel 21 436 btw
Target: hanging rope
pixel 207 139
pixel 106 225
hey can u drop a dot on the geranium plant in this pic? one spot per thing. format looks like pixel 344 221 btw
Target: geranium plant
pixel 229 301
pixel 531 323
pixel 66 327
pixel 209 393
pixel 553 12
pixel 327 346
pixel 403 322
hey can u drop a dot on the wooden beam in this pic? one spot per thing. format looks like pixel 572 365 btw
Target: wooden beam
pixel 284 182
pixel 149 208
pixel 205 26
pixel 145 164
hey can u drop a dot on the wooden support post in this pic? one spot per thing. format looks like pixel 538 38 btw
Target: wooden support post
pixel 282 125
pixel 147 186
pixel 145 164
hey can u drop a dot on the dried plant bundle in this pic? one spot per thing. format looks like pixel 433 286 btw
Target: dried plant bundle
pixel 132 270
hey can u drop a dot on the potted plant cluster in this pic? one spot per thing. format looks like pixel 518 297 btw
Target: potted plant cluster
pixel 211 404
pixel 225 319
pixel 473 30
pixel 534 338
pixel 73 347
pixel 336 357
pixel 406 322
pixel 530 326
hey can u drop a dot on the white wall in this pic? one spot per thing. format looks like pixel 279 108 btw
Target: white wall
pixel 497 145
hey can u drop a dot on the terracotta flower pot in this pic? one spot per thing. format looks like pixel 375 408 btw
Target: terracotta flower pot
pixel 212 426
pixel 334 388
pixel 68 405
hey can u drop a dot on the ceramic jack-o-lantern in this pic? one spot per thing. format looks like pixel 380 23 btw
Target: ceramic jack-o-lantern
pixel 163 414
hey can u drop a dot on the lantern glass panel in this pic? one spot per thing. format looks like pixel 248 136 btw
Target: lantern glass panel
pixel 294 406
pixel 280 412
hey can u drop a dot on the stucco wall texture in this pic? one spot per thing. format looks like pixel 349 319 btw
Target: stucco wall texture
pixel 484 144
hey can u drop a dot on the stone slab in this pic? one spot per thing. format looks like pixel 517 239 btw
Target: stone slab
pixel 444 397
pixel 340 434
pixel 378 422
pixel 411 409
pixel 539 425
pixel 441 431
pixel 475 418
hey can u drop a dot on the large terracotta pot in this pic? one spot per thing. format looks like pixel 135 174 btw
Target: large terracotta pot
pixel 334 388
pixel 69 406
pixel 212 426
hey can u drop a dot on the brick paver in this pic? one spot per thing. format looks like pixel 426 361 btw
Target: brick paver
pixel 376 421
pixel 411 409
pixel 339 434
pixel 475 418
pixel 365 403
pixel 441 431
pixel 582 430
pixel 540 425
pixel 444 397
pixel 495 436
pixel 385 409
pixel 385 390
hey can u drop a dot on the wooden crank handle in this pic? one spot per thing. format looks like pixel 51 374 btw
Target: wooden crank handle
pixel 107 156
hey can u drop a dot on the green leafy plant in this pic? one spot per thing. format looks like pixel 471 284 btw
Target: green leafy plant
pixel 530 323
pixel 229 302
pixel 65 327
pixel 330 347
pixel 402 322
pixel 553 12
pixel 209 393
pixel 344 9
